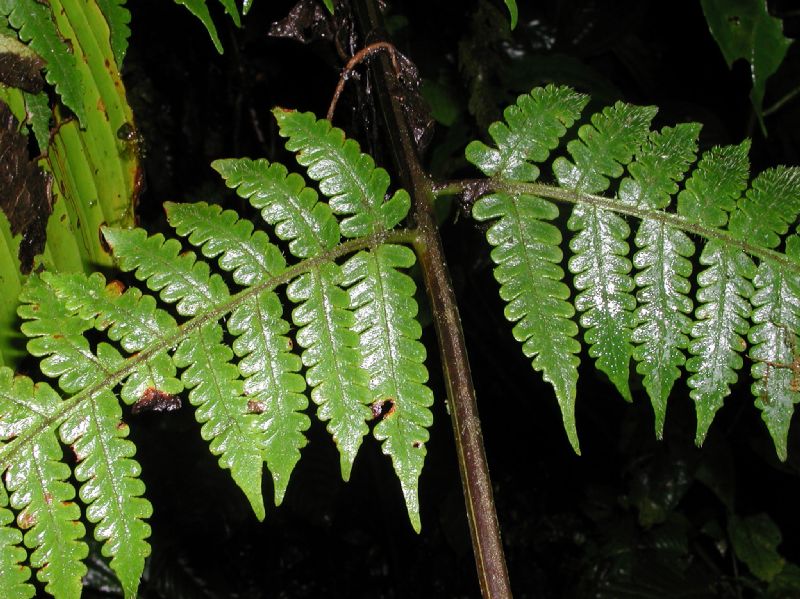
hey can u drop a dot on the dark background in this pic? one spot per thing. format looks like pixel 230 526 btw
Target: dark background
pixel 633 517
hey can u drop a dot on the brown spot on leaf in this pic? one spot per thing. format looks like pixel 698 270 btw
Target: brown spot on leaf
pixel 154 400
pixel 26 520
pixel 24 190
pixel 382 408
pixel 255 407
pixel 115 287
pixel 48 498
pixel 416 444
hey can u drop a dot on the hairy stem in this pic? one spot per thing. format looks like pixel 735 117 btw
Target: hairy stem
pixel 484 528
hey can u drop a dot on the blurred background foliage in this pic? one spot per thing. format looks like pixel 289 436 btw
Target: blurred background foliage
pixel 633 517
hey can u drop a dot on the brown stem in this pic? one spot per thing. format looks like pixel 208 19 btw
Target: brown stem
pixel 482 517
pixel 354 61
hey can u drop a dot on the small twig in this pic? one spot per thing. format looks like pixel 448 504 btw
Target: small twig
pixel 782 102
pixel 356 60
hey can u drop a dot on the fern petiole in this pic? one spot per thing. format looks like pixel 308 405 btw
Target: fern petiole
pixel 9 451
pixel 472 189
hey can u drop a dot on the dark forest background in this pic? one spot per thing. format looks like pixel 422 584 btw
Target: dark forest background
pixel 633 517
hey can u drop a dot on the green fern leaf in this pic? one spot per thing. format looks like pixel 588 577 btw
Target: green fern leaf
pixel 216 390
pixel 14 575
pixel 721 318
pixel 285 203
pixel 717 335
pixel 776 317
pixel 179 277
pixel 111 488
pixel 37 479
pixel 250 256
pixel 385 311
pixel 771 204
pixel 600 262
pixel 132 320
pixel 34 24
pixel 527 250
pixel 331 354
pixel 273 387
pixel 356 188
pixel 527 256
pixel 662 324
pixel 218 394
pixel 40 492
pixel 711 192
pixel 533 126
pixel 119 18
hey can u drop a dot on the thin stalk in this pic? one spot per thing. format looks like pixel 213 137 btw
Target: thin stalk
pixel 481 513
pixel 472 189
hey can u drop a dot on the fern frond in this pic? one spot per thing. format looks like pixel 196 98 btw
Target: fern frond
pixel 600 247
pixel 34 24
pixel 655 326
pixel 385 311
pixel 356 188
pixel 37 479
pixel 526 247
pixel 662 321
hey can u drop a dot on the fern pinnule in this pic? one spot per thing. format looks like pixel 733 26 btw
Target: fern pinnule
pixel 356 188
pixel 13 574
pixel 274 388
pixel 773 341
pixel 600 247
pixel 248 255
pixel 385 319
pixel 526 246
pixel 662 315
pixel 179 277
pixel 293 209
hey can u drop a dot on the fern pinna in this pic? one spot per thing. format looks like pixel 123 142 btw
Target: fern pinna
pixel 219 327
pixel 358 336
pixel 637 304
